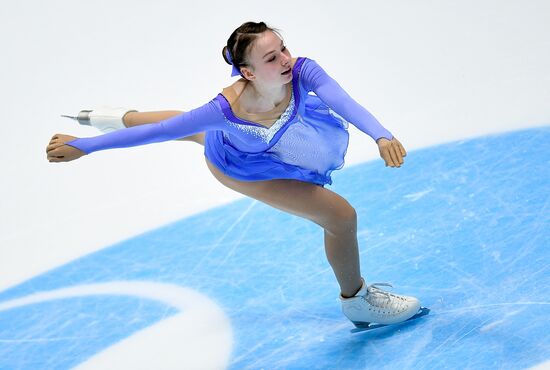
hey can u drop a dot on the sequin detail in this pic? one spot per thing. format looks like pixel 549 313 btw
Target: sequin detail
pixel 264 133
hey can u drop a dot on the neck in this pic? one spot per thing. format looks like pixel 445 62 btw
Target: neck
pixel 269 96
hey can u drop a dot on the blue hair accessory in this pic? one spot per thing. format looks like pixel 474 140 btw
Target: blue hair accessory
pixel 235 71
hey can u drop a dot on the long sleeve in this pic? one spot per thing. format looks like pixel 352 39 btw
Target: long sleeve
pixel 204 118
pixel 315 79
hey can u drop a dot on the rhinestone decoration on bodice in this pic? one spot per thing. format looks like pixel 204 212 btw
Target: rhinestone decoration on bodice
pixel 264 133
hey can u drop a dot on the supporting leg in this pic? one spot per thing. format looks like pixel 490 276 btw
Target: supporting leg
pixel 343 255
pixel 322 206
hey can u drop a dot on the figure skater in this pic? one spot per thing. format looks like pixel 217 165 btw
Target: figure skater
pixel 264 136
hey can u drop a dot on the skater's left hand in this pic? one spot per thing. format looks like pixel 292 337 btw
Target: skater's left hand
pixel 391 151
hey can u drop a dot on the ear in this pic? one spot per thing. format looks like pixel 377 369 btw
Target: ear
pixel 247 73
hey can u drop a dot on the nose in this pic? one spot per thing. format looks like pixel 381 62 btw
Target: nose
pixel 285 60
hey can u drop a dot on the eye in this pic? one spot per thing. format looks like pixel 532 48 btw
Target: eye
pixel 272 59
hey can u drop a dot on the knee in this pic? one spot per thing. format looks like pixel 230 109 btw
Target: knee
pixel 342 221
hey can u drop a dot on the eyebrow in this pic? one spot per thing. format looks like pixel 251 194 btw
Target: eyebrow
pixel 272 51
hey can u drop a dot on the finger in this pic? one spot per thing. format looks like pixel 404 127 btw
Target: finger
pixel 385 156
pixel 393 156
pixel 53 146
pixel 401 149
pixel 388 158
pixel 52 141
pixel 59 157
pixel 397 154
pixel 54 159
pixel 57 152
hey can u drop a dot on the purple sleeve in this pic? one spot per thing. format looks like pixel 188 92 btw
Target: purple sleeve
pixel 205 118
pixel 315 79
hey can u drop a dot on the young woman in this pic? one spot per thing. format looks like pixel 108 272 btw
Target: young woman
pixel 266 137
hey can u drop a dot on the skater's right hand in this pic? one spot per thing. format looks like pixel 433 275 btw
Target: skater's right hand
pixel 57 151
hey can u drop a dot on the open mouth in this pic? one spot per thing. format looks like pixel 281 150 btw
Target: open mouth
pixel 286 72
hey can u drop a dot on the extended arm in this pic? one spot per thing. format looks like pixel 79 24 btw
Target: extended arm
pixel 205 118
pixel 133 118
pixel 315 79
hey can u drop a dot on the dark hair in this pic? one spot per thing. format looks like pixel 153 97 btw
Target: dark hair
pixel 241 40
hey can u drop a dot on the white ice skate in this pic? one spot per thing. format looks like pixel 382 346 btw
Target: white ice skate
pixel 373 307
pixel 105 119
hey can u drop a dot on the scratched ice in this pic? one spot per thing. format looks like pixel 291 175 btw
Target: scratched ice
pixel 464 226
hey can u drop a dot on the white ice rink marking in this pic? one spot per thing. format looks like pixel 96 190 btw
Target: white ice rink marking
pixel 200 336
pixel 416 196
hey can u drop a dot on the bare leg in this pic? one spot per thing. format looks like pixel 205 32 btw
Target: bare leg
pixel 342 252
pixel 322 206
pixel 139 118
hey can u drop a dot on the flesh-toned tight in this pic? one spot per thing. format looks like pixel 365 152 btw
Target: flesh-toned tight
pixel 324 207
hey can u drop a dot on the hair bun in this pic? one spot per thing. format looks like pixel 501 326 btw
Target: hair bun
pixel 224 55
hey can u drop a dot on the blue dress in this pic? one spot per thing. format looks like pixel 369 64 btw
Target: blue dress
pixel 307 142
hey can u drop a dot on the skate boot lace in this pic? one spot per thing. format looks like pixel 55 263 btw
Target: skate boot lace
pixel 384 301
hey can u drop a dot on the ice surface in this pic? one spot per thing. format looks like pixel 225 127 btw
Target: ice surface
pixel 463 226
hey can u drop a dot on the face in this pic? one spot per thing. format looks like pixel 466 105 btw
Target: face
pixel 268 58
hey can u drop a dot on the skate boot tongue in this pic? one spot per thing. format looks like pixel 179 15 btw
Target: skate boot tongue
pixel 376 285
pixel 374 289
pixel 382 299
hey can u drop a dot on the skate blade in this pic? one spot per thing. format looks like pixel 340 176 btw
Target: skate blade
pixel 83 117
pixel 359 327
